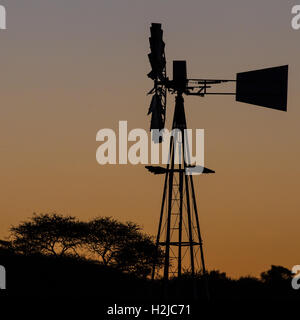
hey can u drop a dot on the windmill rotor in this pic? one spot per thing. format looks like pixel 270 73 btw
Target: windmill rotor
pixel 158 74
pixel 157 55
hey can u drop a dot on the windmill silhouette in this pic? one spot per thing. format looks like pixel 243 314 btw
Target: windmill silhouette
pixel 179 228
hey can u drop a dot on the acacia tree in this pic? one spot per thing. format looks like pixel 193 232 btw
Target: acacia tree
pixel 49 234
pixel 122 245
pixel 138 256
pixel 106 236
pixel 113 243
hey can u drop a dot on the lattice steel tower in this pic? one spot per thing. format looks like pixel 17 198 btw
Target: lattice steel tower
pixel 179 230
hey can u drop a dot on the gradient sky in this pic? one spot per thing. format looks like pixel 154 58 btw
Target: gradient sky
pixel 72 67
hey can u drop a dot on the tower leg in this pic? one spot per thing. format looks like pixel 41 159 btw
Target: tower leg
pixel 168 232
pixel 160 221
pixel 180 222
pixel 200 239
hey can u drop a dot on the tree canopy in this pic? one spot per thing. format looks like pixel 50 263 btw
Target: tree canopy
pixel 110 242
pixel 50 234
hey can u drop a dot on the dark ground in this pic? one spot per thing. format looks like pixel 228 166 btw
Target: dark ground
pixel 54 276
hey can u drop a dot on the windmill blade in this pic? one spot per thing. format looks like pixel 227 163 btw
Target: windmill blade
pixel 265 87
pixel 158 75
pixel 157 117
pixel 157 56
pixel 157 113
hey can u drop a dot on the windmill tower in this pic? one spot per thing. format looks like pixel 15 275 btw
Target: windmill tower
pixel 179 229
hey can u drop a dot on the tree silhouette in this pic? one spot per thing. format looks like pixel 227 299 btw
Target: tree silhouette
pixel 113 243
pixel 277 279
pixel 138 256
pixel 49 234
pixel 122 245
pixel 53 252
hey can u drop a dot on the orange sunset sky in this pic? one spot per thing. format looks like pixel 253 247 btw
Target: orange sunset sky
pixel 70 68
